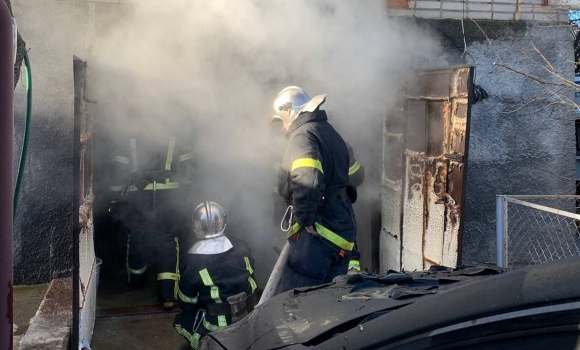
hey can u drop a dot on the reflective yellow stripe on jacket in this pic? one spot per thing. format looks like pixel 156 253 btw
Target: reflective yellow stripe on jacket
pixel 251 271
pixel 215 295
pixel 149 187
pixel 170 150
pixel 168 185
pixel 133 143
pixel 325 233
pixel 184 157
pixel 306 163
pixel 121 159
pixel 353 168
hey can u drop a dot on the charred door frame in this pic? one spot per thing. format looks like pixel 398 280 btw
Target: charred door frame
pixel 465 164
pixel 446 157
pixel 82 184
pixel 78 76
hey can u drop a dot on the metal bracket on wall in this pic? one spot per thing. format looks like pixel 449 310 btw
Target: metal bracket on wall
pixel 454 156
pixel 88 100
pixel 390 233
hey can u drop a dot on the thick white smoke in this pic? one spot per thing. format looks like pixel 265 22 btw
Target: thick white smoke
pixel 215 66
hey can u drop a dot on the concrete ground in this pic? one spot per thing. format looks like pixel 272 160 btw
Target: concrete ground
pixel 27 299
pixel 146 332
pixel 128 318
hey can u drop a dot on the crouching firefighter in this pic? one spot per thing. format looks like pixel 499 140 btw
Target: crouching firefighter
pixel 217 286
pixel 313 179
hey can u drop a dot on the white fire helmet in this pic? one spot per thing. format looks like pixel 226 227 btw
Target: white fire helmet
pixel 209 220
pixel 292 101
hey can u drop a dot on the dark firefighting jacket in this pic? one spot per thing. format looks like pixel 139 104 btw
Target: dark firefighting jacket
pixel 142 165
pixel 139 162
pixel 356 175
pixel 208 280
pixel 313 179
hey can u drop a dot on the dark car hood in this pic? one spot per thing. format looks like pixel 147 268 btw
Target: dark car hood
pixel 311 315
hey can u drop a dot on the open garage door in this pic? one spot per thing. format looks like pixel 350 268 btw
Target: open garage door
pixel 425 153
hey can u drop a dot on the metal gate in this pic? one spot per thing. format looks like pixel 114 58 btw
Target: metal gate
pixel 84 255
pixel 424 162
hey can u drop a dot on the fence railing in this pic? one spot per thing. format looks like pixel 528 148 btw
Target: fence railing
pixel 536 229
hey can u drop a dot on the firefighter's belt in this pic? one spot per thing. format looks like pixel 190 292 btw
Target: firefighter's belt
pixel 219 309
pixel 326 234
pixel 336 197
pixel 149 187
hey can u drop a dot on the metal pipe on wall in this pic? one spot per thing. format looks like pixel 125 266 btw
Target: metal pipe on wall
pixel 6 175
pixel 500 217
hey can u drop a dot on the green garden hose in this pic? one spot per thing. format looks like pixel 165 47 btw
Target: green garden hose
pixel 28 77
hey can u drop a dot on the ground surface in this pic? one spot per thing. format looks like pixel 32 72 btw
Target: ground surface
pixel 27 298
pixel 129 318
pixel 144 332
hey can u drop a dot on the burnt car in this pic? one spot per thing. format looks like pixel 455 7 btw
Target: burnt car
pixel 476 307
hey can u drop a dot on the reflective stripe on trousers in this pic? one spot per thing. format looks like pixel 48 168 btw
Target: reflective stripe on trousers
pixel 192 338
pixel 354 264
pixel 129 269
pixel 173 276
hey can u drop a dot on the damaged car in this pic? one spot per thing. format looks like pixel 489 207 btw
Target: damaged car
pixel 474 307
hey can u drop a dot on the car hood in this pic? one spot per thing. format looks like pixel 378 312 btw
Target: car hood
pixel 311 315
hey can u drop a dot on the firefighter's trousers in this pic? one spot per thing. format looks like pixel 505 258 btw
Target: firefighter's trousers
pixel 311 261
pixel 152 230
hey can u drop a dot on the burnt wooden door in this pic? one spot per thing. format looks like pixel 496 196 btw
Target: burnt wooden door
pixel 425 148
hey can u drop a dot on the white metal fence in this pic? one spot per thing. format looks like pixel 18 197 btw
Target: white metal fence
pixel 536 229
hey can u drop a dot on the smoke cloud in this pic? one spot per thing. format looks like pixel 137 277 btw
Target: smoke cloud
pixel 214 67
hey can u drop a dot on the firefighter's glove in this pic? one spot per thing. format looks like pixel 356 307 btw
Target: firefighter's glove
pixel 112 209
pixel 115 209
pixel 311 230
pixel 140 181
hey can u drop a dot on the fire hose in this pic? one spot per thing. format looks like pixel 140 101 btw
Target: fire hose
pixel 278 270
pixel 276 275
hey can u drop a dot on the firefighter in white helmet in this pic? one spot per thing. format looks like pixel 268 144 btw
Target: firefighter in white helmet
pixel 313 179
pixel 217 286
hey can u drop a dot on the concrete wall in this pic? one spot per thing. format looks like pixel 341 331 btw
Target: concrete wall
pixel 516 146
pixel 54 32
